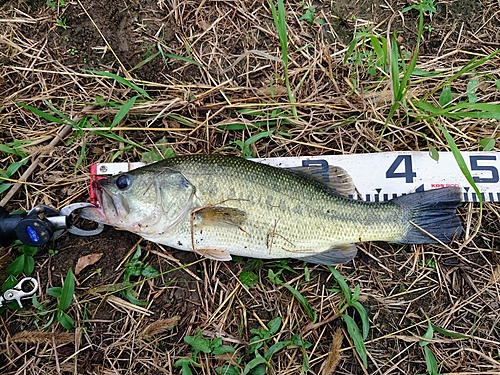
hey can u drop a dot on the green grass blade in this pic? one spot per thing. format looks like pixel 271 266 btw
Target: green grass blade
pixel 453 335
pixel 346 291
pixel 144 62
pixel 395 69
pixel 123 81
pixel 303 301
pixel 182 58
pixel 120 115
pixel 461 162
pixel 254 138
pixel 42 114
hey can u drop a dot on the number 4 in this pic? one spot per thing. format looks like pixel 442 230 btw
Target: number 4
pixel 408 170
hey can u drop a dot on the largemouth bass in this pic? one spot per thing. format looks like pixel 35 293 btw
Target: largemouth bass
pixel 220 205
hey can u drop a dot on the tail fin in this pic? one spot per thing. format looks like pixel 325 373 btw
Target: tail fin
pixel 434 212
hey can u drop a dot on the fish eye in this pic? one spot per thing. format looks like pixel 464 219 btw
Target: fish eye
pixel 123 182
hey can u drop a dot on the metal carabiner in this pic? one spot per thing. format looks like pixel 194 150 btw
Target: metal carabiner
pixel 66 213
pixel 17 292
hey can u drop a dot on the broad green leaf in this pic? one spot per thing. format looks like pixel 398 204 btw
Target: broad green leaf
pixel 430 360
pixel 4 187
pixel 199 344
pixel 123 111
pixel 184 363
pixel 29 250
pixel 274 277
pixel 487 144
pixel 55 291
pixel 276 348
pixel 446 96
pixel 7 150
pixel 472 87
pixel 65 320
pixel 356 337
pixel 248 278
pixel 9 283
pixel 222 349
pixel 11 169
pixel 258 360
pixel 29 265
pixel 356 293
pixel 274 325
pixel 364 317
pixel 149 272
pixel 429 334
pixel 433 153
pixel 17 266
pixel 67 291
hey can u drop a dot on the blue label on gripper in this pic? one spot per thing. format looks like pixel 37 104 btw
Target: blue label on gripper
pixel 32 233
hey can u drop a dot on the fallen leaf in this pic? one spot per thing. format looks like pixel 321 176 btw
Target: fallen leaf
pixel 86 260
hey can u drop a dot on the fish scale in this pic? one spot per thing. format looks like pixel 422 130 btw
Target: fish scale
pixel 226 205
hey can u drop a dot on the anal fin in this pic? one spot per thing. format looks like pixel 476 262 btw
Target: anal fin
pixel 335 255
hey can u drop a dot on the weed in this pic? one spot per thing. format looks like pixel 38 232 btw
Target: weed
pixel 487 144
pixel 53 4
pixel 53 252
pixel 136 267
pixel 244 148
pixel 279 18
pixel 159 152
pixel 248 278
pixel 430 359
pixel 14 150
pixel 309 16
pixel 351 300
pixel 275 279
pixel 24 262
pixel 61 23
pixel 260 340
pixel 202 345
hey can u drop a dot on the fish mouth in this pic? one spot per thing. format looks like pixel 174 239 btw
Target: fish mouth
pixel 108 209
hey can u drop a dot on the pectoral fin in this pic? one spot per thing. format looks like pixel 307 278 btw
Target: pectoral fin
pixel 335 255
pixel 214 254
pixel 219 216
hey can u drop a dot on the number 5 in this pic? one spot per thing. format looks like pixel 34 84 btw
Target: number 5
pixel 474 167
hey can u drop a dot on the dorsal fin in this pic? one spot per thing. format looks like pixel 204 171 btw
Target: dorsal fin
pixel 336 178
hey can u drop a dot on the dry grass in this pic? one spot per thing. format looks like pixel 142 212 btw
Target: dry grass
pixel 237 49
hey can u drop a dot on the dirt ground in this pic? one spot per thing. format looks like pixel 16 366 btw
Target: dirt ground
pixel 202 64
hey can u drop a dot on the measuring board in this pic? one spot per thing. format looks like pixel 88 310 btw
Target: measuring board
pixel 382 176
